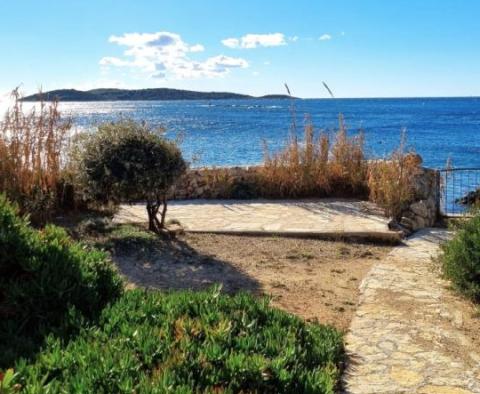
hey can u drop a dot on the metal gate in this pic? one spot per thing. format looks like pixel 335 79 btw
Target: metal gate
pixel 459 191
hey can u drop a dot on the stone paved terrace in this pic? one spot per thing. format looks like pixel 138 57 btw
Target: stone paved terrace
pixel 316 218
pixel 406 336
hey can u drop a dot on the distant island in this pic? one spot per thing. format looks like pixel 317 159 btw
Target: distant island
pixel 140 94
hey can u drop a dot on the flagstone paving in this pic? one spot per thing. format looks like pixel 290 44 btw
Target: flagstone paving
pixel 323 217
pixel 406 335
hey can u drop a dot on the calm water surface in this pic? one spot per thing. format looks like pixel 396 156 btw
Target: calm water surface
pixel 230 132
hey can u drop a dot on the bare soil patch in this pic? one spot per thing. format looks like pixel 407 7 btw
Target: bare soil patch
pixel 314 279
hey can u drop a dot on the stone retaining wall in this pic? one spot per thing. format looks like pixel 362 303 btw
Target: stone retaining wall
pixel 424 210
pixel 240 183
pixel 222 183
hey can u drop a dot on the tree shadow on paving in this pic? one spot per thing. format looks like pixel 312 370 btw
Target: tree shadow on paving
pixel 147 260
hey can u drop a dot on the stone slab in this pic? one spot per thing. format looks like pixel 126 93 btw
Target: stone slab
pixel 327 218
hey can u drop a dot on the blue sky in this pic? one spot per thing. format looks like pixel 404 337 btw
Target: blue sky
pixel 361 48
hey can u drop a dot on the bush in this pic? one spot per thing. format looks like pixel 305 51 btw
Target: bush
pixel 461 259
pixel 126 161
pixel 46 280
pixel 190 342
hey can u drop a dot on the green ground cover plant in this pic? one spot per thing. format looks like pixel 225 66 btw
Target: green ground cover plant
pixel 187 342
pixel 461 258
pixel 48 284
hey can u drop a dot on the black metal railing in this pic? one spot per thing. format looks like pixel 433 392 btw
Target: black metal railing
pixel 459 190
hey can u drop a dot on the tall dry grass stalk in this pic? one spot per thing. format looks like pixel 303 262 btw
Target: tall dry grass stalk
pixel 392 182
pixel 317 166
pixel 32 145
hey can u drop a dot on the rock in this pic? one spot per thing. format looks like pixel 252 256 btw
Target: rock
pixel 174 229
pixel 470 198
pixel 395 226
pixel 413 222
pixel 420 208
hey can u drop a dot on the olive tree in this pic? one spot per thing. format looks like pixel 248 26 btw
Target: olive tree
pixel 126 161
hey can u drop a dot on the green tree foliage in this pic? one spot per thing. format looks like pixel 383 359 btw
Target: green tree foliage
pixel 127 161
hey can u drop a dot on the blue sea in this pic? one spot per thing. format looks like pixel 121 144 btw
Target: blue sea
pixel 231 132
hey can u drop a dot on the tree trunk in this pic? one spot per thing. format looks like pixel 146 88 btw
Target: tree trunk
pixel 153 207
pixel 164 211
pixel 152 210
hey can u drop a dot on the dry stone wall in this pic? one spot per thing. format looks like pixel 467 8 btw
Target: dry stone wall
pixel 221 183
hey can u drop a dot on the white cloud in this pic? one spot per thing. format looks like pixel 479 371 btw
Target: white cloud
pixel 231 42
pixel 293 38
pixel 325 37
pixel 114 61
pixel 165 54
pixel 227 61
pixel 249 41
pixel 197 48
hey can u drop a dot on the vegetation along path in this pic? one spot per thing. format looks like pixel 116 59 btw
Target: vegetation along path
pixel 410 333
pixel 323 218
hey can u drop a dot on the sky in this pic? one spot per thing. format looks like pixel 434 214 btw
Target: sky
pixel 360 48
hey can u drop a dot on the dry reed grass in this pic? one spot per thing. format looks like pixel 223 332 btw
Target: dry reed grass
pixel 32 146
pixel 316 166
pixel 392 182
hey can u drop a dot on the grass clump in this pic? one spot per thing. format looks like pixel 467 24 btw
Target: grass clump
pixel 125 238
pixel 461 258
pixel 316 167
pixel 190 342
pixel 32 147
pixel 392 182
pixel 48 283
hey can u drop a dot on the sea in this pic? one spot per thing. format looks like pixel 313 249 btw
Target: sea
pixel 235 132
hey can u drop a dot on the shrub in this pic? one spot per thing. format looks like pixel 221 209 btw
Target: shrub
pixel 126 161
pixel 45 280
pixel 32 147
pixel 190 342
pixel 392 182
pixel 461 258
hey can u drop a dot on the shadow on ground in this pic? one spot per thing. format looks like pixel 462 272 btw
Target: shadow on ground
pixel 148 260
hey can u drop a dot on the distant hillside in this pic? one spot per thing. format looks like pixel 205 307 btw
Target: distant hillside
pixel 140 94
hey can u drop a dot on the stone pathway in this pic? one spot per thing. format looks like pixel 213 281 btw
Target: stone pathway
pixel 323 218
pixel 406 335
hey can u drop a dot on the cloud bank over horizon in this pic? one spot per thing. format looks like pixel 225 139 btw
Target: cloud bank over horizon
pixel 165 54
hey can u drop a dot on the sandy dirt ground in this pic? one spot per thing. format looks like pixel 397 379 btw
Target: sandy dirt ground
pixel 314 279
